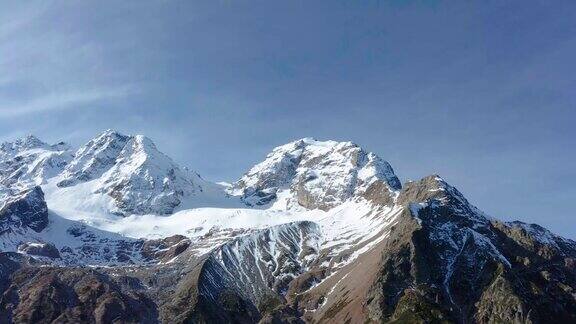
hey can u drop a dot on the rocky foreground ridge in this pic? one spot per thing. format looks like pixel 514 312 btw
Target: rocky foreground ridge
pixel 318 232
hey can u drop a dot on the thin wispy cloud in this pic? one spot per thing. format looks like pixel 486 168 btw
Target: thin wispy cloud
pixel 13 22
pixel 44 67
pixel 63 101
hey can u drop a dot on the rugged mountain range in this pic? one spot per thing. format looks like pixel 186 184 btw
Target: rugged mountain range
pixel 318 232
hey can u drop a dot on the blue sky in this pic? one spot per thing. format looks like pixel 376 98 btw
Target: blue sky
pixel 480 92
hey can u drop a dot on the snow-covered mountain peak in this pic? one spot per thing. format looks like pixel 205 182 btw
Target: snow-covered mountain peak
pixel 311 144
pixel 102 142
pixel 29 160
pixel 10 149
pixel 110 133
pixel 105 139
pixel 134 176
pixel 29 142
pixel 94 158
pixel 140 154
pixel 144 180
pixel 318 174
pixel 140 149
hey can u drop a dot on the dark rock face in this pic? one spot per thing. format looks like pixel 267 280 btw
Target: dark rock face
pixel 56 295
pixel 26 210
pixel 40 249
pixel 165 249
pixel 379 193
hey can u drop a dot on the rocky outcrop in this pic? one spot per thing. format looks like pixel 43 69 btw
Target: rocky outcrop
pixel 24 210
pixel 57 295
pixel 165 249
pixel 40 249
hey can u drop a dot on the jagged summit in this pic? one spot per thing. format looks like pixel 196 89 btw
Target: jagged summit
pixel 133 173
pixel 318 174
pixel 94 158
pixel 430 187
pixel 21 144
pixel 144 180
pixel 29 160
pixel 29 142
pixel 26 143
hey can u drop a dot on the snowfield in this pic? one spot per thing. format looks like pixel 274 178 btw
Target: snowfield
pixel 122 188
pixel 345 226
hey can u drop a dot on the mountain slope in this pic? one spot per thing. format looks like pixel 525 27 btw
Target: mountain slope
pixel 318 232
